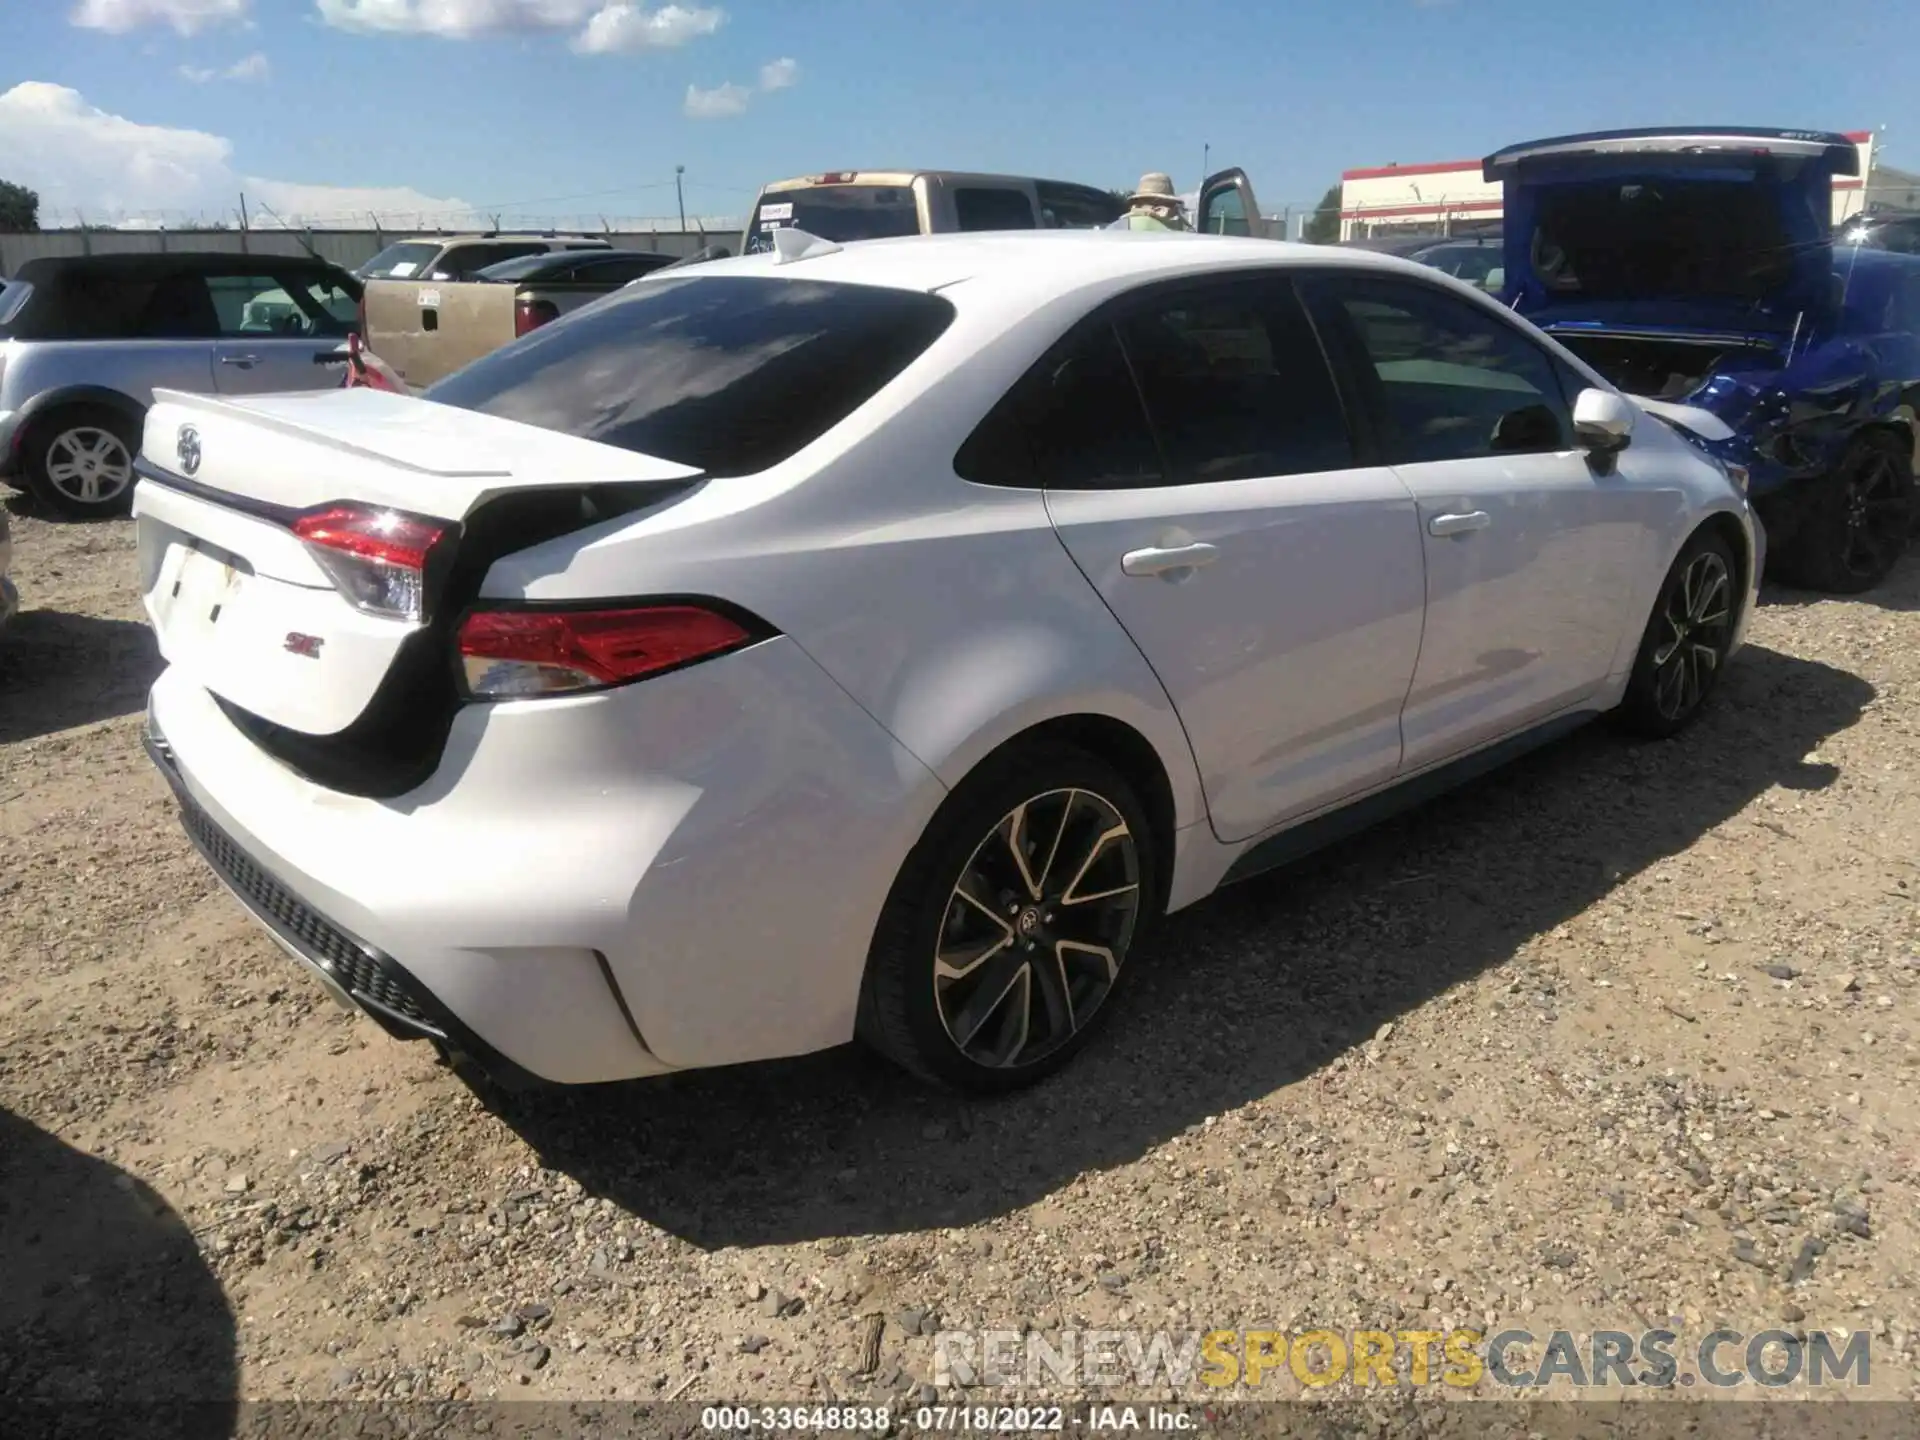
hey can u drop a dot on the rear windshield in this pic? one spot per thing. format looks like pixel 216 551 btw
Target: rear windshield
pixel 730 374
pixel 398 262
pixel 1667 237
pixel 836 212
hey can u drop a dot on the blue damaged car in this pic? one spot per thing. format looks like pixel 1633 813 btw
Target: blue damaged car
pixel 1698 268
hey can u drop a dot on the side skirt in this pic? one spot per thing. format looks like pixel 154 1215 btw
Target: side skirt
pixel 1323 830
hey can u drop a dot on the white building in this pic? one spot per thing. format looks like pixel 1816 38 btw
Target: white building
pixel 1443 198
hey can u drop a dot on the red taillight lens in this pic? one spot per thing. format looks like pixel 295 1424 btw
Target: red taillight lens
pixel 530 315
pixel 507 653
pixel 376 558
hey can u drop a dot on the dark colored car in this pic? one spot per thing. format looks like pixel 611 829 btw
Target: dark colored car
pixel 1880 230
pixel 1476 259
pixel 1698 266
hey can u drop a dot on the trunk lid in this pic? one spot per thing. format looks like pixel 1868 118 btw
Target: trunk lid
pixel 242 597
pixel 1725 231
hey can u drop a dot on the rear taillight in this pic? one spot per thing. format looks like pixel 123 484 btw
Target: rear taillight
pixel 508 653
pixel 376 558
pixel 530 315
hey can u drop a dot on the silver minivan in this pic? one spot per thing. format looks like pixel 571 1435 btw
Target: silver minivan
pixel 844 205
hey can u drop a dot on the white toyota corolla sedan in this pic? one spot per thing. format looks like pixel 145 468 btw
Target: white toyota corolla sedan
pixel 871 641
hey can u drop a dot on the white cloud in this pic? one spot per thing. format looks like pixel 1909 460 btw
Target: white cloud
pixel 598 27
pixel 716 104
pixel 779 74
pixel 253 67
pixel 618 28
pixel 186 16
pixel 80 157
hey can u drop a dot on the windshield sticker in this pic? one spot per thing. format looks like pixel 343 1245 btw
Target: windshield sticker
pixel 771 213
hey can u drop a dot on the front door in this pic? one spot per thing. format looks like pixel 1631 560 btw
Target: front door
pixel 278 331
pixel 1201 470
pixel 1530 549
pixel 1226 206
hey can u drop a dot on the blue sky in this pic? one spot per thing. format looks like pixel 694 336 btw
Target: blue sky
pixel 562 109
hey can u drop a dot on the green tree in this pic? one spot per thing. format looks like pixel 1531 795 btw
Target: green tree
pixel 1323 226
pixel 19 208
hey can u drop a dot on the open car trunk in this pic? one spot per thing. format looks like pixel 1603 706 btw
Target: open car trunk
pixel 1664 366
pixel 306 558
pixel 1721 234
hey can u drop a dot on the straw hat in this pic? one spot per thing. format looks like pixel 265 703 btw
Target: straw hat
pixel 1156 188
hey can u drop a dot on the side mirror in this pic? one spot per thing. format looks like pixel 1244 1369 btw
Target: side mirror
pixel 1603 421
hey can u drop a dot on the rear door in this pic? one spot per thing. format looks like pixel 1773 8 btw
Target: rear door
pixel 1200 468
pixel 278 330
pixel 1531 552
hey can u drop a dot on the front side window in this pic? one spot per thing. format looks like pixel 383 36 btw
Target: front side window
pixel 253 303
pixel 1454 383
pixel 729 374
pixel 1235 384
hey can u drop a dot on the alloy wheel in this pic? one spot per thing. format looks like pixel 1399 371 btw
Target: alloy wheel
pixel 1879 517
pixel 1698 620
pixel 1037 928
pixel 89 465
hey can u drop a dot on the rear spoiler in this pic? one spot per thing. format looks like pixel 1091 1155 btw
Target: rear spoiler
pixel 1841 155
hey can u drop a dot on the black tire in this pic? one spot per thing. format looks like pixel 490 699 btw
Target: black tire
pixel 1684 648
pixel 1858 521
pixel 58 439
pixel 906 1006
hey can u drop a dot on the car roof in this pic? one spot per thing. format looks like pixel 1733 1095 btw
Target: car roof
pixel 172 261
pixel 1053 262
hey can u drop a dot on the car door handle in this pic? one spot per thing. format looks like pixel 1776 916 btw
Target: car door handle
pixel 245 362
pixel 1459 524
pixel 1155 560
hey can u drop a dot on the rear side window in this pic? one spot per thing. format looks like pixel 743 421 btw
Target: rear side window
pixel 731 374
pixel 1236 385
pixel 988 209
pixel 1073 422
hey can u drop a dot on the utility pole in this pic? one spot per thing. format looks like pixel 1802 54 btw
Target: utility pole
pixel 243 210
pixel 1206 159
pixel 680 195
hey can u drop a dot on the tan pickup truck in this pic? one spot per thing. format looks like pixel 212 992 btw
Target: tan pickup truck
pixel 426 329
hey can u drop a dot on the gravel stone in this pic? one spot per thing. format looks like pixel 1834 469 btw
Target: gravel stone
pixel 1472 1023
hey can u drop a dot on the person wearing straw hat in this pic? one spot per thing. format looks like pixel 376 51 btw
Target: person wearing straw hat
pixel 1154 206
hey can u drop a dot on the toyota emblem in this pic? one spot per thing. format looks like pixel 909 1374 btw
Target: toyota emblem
pixel 187 446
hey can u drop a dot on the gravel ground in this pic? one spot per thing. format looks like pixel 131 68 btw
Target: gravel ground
pixel 1623 1035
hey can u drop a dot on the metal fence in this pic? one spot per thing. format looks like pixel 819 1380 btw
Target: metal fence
pixel 346 248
